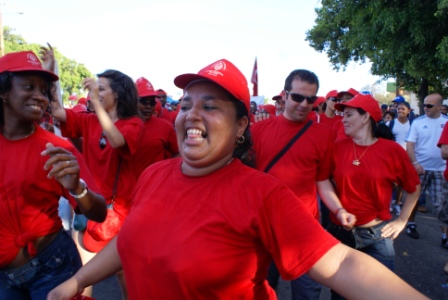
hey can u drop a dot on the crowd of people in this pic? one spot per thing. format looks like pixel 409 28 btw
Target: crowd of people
pixel 178 182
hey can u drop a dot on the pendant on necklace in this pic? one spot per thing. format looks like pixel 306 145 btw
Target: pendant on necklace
pixel 356 162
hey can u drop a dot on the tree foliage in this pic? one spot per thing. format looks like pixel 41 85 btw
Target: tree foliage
pixel 71 73
pixel 403 39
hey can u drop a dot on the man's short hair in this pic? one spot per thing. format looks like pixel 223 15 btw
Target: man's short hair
pixel 302 75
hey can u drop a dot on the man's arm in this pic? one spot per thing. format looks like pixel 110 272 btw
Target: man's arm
pixel 410 148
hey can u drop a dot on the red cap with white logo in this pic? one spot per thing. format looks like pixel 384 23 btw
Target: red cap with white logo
pixel 145 88
pixel 224 74
pixel 24 61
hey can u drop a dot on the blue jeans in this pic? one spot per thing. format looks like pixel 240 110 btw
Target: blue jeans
pixel 301 288
pixel 369 241
pixel 55 264
pixel 305 288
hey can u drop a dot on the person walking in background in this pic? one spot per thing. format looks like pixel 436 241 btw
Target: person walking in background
pixel 279 103
pixel 158 140
pixel 213 237
pixel 422 149
pixel 164 113
pixel 329 116
pixel 37 168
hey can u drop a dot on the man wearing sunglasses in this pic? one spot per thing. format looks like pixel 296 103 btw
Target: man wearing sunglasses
pixel 158 140
pixel 422 149
pixel 305 166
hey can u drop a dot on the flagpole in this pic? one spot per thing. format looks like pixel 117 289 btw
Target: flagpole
pixel 254 78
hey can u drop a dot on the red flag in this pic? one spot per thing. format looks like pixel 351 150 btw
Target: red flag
pixel 254 78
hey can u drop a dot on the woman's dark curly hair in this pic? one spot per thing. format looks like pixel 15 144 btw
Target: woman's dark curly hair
pixel 126 91
pixel 6 85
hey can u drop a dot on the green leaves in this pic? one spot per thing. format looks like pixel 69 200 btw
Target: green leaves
pixel 405 39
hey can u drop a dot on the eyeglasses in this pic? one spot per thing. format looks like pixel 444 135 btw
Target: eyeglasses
pixel 299 98
pixel 334 99
pixel 145 102
pixel 428 105
pixel 103 141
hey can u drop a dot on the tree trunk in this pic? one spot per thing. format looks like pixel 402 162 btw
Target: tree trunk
pixel 422 93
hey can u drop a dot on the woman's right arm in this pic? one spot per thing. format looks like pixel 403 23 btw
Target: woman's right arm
pixel 101 266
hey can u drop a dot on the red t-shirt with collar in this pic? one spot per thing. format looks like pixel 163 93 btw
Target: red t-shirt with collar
pixel 365 190
pixel 444 141
pixel 213 237
pixel 307 161
pixel 158 140
pixel 29 200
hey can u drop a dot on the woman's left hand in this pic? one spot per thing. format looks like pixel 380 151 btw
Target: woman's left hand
pixel 63 166
pixel 392 229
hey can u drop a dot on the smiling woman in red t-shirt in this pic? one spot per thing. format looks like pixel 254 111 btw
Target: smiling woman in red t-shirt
pixel 214 235
pixel 36 169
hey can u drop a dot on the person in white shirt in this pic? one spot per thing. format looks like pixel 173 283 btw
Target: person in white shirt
pixel 425 156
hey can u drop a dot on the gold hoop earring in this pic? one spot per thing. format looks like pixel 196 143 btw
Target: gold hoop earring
pixel 241 140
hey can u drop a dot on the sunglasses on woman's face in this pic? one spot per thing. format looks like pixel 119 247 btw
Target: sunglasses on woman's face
pixel 299 98
pixel 428 105
pixel 103 141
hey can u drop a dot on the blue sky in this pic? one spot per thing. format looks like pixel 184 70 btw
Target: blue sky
pixel 162 39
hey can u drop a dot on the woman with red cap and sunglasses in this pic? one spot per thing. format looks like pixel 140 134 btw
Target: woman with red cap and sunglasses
pixel 367 167
pixel 36 169
pixel 213 237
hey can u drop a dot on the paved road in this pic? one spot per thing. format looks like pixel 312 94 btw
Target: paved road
pixel 419 262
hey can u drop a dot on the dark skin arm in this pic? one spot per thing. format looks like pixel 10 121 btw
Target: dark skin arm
pixel 63 166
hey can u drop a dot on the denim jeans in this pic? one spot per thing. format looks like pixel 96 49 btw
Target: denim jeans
pixel 305 288
pixel 302 288
pixel 55 264
pixel 369 241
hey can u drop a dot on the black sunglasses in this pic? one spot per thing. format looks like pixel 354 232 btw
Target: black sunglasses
pixel 428 105
pixel 103 142
pixel 147 102
pixel 334 99
pixel 299 98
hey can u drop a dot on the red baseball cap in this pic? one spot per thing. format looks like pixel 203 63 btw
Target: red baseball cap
pixel 82 100
pixel 366 102
pixel 332 93
pixel 350 91
pixel 279 96
pixel 161 92
pixel 224 74
pixel 145 88
pixel 319 101
pixel 22 62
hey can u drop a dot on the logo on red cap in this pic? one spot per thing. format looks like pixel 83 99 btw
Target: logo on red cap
pixel 216 68
pixel 32 59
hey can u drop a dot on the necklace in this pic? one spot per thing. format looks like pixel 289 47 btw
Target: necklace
pixel 356 161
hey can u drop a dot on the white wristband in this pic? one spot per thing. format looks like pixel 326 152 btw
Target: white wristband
pixel 83 193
